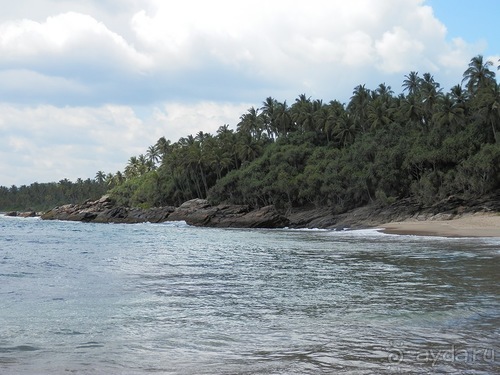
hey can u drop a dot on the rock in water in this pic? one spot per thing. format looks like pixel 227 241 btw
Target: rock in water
pixel 196 212
pixel 199 212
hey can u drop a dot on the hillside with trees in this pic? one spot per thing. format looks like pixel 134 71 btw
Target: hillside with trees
pixel 379 147
pixel 43 196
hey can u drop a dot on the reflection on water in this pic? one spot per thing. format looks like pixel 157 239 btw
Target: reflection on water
pixel 145 298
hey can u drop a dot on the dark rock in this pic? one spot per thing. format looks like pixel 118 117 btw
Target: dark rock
pixel 401 210
pixel 21 214
pixel 243 217
pixel 196 212
pixel 27 214
pixel 199 212
pixel 137 215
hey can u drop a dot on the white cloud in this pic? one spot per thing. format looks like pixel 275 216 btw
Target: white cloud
pixel 47 143
pixel 398 50
pixel 180 120
pixel 455 57
pixel 24 83
pixel 66 39
pixel 85 86
pixel 164 46
pixel 285 44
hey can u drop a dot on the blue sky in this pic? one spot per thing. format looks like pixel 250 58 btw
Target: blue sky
pixel 84 85
pixel 476 21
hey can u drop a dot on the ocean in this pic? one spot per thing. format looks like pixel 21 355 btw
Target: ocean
pixel 80 298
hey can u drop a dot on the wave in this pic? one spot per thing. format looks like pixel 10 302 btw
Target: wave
pixel 2 215
pixel 175 224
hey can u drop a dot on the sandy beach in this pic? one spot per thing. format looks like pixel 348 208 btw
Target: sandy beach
pixel 474 225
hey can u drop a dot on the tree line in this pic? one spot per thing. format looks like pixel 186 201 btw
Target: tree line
pixel 43 196
pixel 379 147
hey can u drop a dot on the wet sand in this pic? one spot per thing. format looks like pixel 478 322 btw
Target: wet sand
pixel 475 225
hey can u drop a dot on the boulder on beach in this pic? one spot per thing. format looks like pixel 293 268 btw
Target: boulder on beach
pixel 29 213
pixel 197 212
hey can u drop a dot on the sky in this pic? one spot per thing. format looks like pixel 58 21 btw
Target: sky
pixel 86 84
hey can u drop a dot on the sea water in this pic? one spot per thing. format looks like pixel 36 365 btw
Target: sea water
pixel 79 298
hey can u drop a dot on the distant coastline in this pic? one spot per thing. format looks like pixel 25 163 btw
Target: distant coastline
pixel 452 217
pixel 21 213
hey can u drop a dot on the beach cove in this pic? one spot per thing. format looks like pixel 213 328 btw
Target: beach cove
pixel 472 225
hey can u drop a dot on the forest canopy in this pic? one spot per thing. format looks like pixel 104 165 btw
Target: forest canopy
pixel 379 147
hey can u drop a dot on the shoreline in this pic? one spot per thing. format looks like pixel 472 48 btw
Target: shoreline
pixel 471 225
pixel 476 225
pixel 451 217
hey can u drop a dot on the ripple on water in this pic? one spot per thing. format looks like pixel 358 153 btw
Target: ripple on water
pixel 19 348
pixel 173 298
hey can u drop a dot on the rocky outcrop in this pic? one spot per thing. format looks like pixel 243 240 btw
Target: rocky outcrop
pixel 405 209
pixel 22 214
pixel 196 212
pixel 199 212
pixel 104 210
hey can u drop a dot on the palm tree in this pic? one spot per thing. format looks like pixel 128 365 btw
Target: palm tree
pixel 358 105
pixel 302 113
pixel 227 140
pixel 163 146
pixel 335 110
pixel 449 114
pixel 378 113
pixel 251 123
pixel 411 109
pixel 100 177
pixel 458 94
pixel 153 154
pixel 430 94
pixel 201 137
pixel 478 75
pixel 131 170
pixel 283 119
pixel 460 98
pixel 411 83
pixel 196 163
pixel 323 121
pixel 218 158
pixel 345 130
pixel 269 115
pixel 248 148
pixel 489 108
pixel 381 108
pixel 109 179
pixel 186 141
pixel 384 92
pixel 144 164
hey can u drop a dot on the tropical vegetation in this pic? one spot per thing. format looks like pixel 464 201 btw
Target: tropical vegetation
pixel 43 196
pixel 379 147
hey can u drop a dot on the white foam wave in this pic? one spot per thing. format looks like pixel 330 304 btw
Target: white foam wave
pixel 176 224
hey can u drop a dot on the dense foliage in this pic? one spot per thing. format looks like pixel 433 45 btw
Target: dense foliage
pixel 379 147
pixel 43 196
